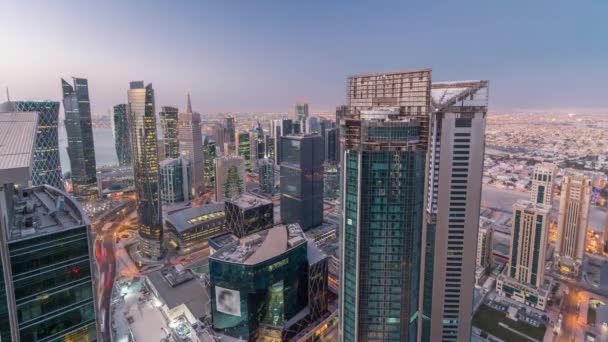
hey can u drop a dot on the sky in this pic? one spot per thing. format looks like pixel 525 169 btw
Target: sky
pixel 257 56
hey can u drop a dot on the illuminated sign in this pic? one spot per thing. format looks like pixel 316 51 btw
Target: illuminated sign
pixel 228 301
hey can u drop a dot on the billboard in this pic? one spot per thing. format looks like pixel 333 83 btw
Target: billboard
pixel 228 301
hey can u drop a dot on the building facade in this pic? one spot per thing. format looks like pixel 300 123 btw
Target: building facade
pixel 191 147
pixel 230 136
pixel 572 223
pixel 46 167
pixel 301 110
pixel 266 174
pixel 542 183
pixel 175 180
pixel 523 279
pixel 453 196
pixel 81 148
pixel 484 248
pixel 229 177
pixel 196 225
pixel 279 128
pixel 302 158
pixel 122 135
pixel 247 214
pixel 168 122
pixel 384 148
pixel 142 122
pixel 244 149
pixel 209 155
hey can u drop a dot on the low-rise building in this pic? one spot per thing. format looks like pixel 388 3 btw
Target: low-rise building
pixel 195 225
pixel 246 214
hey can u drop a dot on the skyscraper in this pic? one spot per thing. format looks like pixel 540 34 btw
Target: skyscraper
pixel 230 136
pixel 279 128
pixel 484 248
pixel 191 146
pixel 168 122
pixel 523 278
pixel 572 223
pixel 175 180
pixel 46 168
pixel 301 110
pixel 46 282
pixel 122 135
pixel 542 183
pixel 79 131
pixel 454 178
pixel 244 149
pixel 266 172
pixel 142 122
pixel 229 177
pixel 209 155
pixel 384 144
pixel 302 179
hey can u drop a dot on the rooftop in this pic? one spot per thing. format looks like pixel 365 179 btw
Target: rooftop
pixel 43 210
pixel 246 201
pixel 185 219
pixel 444 94
pixel 527 205
pixel 263 245
pixel 17 137
pixel 176 287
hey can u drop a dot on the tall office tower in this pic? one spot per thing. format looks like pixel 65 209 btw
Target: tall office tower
pixel 312 125
pixel 266 172
pixel 244 149
pixel 168 122
pixel 247 214
pixel 572 222
pixel 484 248
pixel 302 180
pixel 229 177
pixel 175 180
pixel 279 128
pixel 230 136
pixel 122 135
pixel 46 283
pixel 542 183
pixel 161 149
pixel 523 278
pixel 79 131
pixel 191 146
pixel 455 169
pixel 301 110
pixel 142 122
pixel 341 113
pixel 209 155
pixel 219 134
pixel 384 146
pixel 269 145
pixel 332 144
pixel 47 166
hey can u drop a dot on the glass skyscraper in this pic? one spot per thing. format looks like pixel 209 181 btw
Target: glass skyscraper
pixel 47 166
pixel 244 149
pixel 122 135
pixel 142 122
pixel 384 136
pixel 81 149
pixel 209 155
pixel 302 158
pixel 168 120
pixel 301 110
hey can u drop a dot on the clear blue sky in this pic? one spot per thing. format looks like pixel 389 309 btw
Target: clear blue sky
pixel 263 55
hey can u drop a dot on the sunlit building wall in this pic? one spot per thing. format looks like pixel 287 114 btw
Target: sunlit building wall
pixel 542 183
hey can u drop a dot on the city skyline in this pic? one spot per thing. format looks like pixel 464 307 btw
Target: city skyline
pixel 235 49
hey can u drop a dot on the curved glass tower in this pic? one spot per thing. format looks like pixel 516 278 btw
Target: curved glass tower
pixel 81 148
pixel 142 122
pixel 122 135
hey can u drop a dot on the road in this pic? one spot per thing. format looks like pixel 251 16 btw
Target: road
pixel 107 266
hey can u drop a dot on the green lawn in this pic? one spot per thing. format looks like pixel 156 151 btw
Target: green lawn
pixel 487 319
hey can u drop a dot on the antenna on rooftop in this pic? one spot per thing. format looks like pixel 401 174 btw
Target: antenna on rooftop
pixel 8 96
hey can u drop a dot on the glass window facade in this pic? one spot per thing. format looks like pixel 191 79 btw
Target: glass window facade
pixel 271 292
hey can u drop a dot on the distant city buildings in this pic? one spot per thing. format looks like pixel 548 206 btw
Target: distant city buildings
pixel 385 143
pixel 266 175
pixel 279 128
pixel 168 121
pixel 572 223
pixel 175 180
pixel 244 149
pixel 81 148
pixel 523 279
pixel 191 147
pixel 229 136
pixel 142 122
pixel 247 214
pixel 122 135
pixel 302 158
pixel 229 177
pixel 302 111
pixel 46 167
pixel 455 169
pixel 543 177
pixel 47 290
